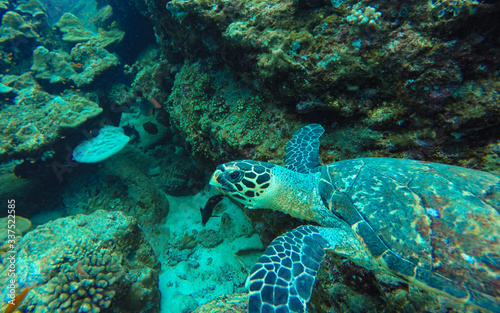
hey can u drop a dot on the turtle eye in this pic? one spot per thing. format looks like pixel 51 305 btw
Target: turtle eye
pixel 235 176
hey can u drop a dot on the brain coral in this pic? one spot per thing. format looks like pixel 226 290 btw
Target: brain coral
pixel 88 263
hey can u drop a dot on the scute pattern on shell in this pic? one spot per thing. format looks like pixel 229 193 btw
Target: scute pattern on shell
pixel 430 214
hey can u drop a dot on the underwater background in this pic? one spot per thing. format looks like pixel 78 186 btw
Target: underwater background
pixel 191 84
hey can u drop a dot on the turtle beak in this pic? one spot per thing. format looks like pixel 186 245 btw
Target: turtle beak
pixel 214 181
pixel 220 183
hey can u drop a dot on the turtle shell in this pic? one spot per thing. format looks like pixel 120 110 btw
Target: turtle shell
pixel 442 218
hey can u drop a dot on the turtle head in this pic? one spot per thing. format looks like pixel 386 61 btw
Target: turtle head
pixel 245 181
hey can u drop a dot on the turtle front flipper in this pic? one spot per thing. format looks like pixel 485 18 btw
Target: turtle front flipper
pixel 302 151
pixel 283 278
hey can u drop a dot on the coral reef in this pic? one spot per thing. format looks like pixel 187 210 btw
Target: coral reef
pixel 222 117
pixel 51 66
pixel 22 225
pixel 88 263
pixel 10 185
pixel 236 303
pixel 393 69
pixel 21 26
pixel 36 118
pixel 123 183
pixel 42 77
pixel 82 66
pixel 43 71
pixel 151 206
pixel 348 287
pixel 232 79
pixel 13 27
pixel 73 29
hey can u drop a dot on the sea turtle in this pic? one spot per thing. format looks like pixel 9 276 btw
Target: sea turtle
pixel 432 225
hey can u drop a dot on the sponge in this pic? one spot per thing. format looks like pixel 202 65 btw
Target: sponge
pixel 109 141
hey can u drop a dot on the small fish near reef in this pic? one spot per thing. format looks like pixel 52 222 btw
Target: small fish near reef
pixel 16 302
pixel 148 108
pixel 206 212
pixel 155 102
pixel 81 271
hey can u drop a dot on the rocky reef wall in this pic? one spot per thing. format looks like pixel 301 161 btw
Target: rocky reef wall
pixel 408 79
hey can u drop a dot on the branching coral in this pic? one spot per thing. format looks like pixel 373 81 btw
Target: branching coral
pixel 84 279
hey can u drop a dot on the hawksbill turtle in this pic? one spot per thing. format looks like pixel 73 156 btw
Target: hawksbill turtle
pixel 432 225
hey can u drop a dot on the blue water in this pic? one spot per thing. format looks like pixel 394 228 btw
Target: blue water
pixel 190 85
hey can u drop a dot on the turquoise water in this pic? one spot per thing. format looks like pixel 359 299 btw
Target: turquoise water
pixel 114 115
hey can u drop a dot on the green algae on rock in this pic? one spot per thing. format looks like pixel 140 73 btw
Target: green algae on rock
pixel 221 115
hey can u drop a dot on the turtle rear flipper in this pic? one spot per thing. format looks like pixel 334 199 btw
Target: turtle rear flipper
pixel 302 151
pixel 430 281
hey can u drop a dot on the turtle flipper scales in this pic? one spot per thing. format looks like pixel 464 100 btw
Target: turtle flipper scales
pixel 302 151
pixel 283 278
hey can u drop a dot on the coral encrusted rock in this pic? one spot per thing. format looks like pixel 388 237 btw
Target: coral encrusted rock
pixel 36 119
pixel 88 263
